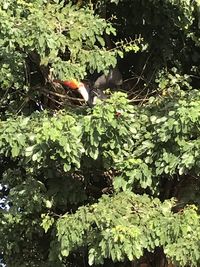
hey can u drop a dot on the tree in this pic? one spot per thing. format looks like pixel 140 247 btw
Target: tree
pixel 115 183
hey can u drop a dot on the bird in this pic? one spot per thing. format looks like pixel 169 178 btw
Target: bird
pixel 90 95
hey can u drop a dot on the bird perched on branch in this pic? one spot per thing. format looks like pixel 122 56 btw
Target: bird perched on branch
pixel 112 80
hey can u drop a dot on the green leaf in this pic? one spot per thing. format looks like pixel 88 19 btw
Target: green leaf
pixel 91 257
pixel 15 150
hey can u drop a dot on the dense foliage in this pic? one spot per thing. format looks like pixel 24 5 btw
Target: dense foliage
pixel 118 182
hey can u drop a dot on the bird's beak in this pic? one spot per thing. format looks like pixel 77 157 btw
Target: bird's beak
pixel 84 92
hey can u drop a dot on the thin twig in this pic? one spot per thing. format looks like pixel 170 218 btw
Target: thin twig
pixel 62 96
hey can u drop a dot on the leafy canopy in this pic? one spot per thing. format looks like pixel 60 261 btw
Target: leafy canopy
pixel 116 182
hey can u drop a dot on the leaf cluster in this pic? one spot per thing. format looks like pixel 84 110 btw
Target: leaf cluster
pixel 127 224
pixel 50 162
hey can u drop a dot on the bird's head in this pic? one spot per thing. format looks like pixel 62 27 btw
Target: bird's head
pixel 72 84
pixel 76 86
